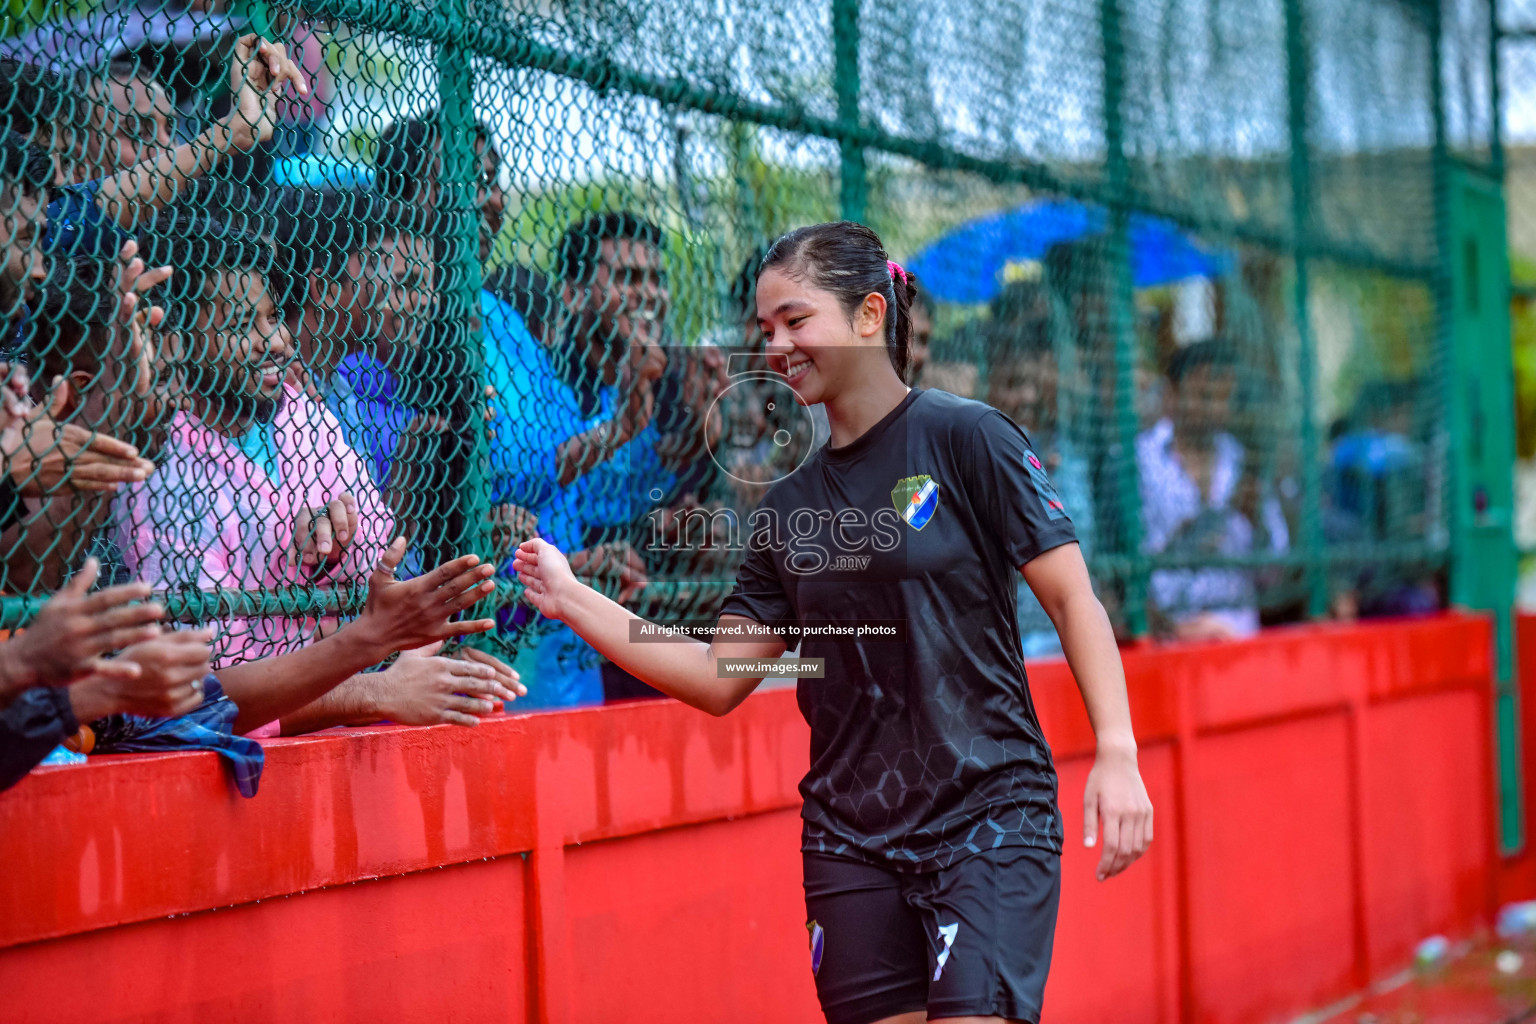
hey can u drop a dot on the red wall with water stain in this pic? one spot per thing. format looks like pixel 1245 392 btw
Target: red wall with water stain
pixel 1323 802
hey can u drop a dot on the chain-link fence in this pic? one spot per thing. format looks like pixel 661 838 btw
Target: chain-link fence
pixel 1191 245
pixel 1517 53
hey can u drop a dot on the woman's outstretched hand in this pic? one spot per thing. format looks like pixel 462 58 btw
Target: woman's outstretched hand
pixel 545 575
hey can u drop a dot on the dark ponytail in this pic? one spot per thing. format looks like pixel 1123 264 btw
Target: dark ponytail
pixel 848 260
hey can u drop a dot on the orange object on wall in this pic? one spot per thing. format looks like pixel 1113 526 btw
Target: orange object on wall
pixel 1323 801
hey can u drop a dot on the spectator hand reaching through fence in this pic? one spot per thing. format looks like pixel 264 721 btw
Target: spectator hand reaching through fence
pixel 404 615
pixel 321 534
pixel 169 682
pixel 423 687
pixel 637 388
pixel 42 454
pixel 255 78
pixel 75 631
pixel 510 526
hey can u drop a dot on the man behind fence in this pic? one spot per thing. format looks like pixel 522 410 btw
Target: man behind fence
pixel 549 436
pixel 40 454
pixel 1191 469
pixel 258 489
pixel 362 300
pixel 575 440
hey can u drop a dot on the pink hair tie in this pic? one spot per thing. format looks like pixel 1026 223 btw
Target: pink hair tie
pixel 896 270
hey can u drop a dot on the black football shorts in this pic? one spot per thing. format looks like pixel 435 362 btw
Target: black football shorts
pixel 971 939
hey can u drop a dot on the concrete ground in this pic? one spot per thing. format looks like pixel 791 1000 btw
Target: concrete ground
pixel 1473 986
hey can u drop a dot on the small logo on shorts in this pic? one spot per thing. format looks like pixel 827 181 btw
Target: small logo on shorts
pixel 818 943
pixel 947 933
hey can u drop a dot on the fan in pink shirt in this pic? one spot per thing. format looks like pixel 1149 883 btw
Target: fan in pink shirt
pixel 255 489
pixel 214 517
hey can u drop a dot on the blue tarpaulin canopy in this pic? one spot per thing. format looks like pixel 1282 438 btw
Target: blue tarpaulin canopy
pixel 93 40
pixel 970 263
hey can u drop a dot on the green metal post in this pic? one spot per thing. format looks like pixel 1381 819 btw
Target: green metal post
pixel 257 14
pixel 1474 356
pixel 1495 91
pixel 845 43
pixel 459 215
pixel 1122 320
pixel 1299 97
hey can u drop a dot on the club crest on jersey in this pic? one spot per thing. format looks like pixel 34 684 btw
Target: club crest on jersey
pixel 916 498
pixel 818 944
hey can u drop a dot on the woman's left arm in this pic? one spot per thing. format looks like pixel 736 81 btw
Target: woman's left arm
pixel 1115 792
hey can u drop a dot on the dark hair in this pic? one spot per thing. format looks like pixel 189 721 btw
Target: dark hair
pixel 237 206
pixel 743 290
pixel 581 248
pixel 1214 353
pixel 124 69
pixel 407 150
pixel 201 248
pixel 23 166
pixel 526 291
pixel 76 324
pixel 1018 338
pixel 317 232
pixel 31 98
pixel 849 260
pixel 1020 301
pixel 920 297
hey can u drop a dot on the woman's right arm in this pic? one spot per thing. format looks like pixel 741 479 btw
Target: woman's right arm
pixel 686 669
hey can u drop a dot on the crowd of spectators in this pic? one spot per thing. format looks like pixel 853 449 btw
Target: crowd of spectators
pixel 1211 512
pixel 196 401
pixel 214 388
pixel 218 388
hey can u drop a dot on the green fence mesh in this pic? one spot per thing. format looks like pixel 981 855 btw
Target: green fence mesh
pixel 1191 245
pixel 1517 153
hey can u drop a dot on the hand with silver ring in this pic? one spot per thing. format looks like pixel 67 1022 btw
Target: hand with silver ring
pixel 172 667
pixel 321 534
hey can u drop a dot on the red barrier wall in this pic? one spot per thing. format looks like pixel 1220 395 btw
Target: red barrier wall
pixel 1323 802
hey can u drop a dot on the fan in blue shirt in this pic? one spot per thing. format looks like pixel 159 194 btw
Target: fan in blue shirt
pixel 574 439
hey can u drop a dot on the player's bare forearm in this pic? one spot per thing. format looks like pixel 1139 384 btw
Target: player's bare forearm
pixel 1114 798
pixel 1088 641
pixel 1060 580
pixel 685 669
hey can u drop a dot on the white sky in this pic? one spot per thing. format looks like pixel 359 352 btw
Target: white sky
pixel 1003 81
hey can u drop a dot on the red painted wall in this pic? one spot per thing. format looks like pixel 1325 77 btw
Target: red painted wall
pixel 1323 802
